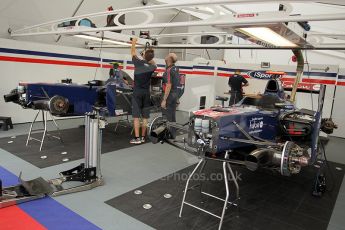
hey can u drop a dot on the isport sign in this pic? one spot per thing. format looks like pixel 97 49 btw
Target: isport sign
pixel 263 75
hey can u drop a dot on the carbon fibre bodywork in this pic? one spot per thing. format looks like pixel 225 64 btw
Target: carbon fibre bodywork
pixel 225 123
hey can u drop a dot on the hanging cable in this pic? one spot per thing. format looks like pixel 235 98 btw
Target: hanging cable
pixel 308 66
pixel 324 163
pixel 180 10
pixel 99 63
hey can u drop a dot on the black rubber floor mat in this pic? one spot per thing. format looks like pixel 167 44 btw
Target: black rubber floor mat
pixel 267 200
pixel 54 152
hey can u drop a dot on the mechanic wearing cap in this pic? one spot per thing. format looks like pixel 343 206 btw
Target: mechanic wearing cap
pixel 236 82
pixel 170 84
pixel 115 75
pixel 141 102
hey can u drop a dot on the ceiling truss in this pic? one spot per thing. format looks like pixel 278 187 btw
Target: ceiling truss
pixel 225 24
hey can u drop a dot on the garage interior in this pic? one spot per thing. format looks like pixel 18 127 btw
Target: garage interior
pixel 269 156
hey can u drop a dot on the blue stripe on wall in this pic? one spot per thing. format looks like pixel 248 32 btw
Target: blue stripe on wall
pixel 319 74
pixel 203 67
pixel 232 70
pixel 112 60
pixel 48 54
pixel 185 67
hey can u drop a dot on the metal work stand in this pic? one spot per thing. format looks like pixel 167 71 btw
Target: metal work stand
pixel 44 129
pixel 226 169
pixel 123 121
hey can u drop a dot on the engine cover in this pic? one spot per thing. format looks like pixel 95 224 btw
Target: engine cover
pixel 219 123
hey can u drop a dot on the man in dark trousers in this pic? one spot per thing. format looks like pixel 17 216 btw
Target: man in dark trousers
pixel 236 82
pixel 141 103
pixel 171 78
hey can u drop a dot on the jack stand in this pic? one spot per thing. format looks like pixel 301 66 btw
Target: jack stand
pixel 226 169
pixel 88 174
pixel 44 129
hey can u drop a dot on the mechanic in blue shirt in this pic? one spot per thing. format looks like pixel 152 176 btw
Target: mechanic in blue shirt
pixel 141 101
pixel 171 78
pixel 236 82
pixel 116 76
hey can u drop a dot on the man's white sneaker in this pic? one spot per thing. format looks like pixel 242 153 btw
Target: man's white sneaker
pixel 135 141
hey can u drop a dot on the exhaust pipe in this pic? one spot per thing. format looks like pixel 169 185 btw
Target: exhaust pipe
pixel 260 157
pixel 289 160
pixel 57 105
pixel 159 134
pixel 158 130
pixel 12 97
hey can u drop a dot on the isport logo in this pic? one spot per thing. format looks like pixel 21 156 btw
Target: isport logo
pixel 260 75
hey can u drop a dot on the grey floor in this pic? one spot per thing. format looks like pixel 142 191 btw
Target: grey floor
pixel 336 153
pixel 130 168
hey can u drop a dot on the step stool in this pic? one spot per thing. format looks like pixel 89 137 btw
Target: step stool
pixel 6 122
pixel 222 99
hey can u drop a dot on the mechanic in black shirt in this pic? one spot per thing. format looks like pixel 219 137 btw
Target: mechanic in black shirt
pixel 171 78
pixel 236 82
pixel 141 102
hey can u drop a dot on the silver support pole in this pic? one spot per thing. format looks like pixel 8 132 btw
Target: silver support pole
pixel 56 125
pixel 187 184
pixel 87 140
pixel 99 147
pixel 95 137
pixel 201 171
pixel 90 143
pixel 235 181
pixel 226 181
pixel 30 131
pixel 44 118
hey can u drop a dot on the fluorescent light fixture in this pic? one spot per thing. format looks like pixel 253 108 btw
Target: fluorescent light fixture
pixel 117 42
pixel 266 35
pixel 209 9
pixel 94 38
pixel 88 37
